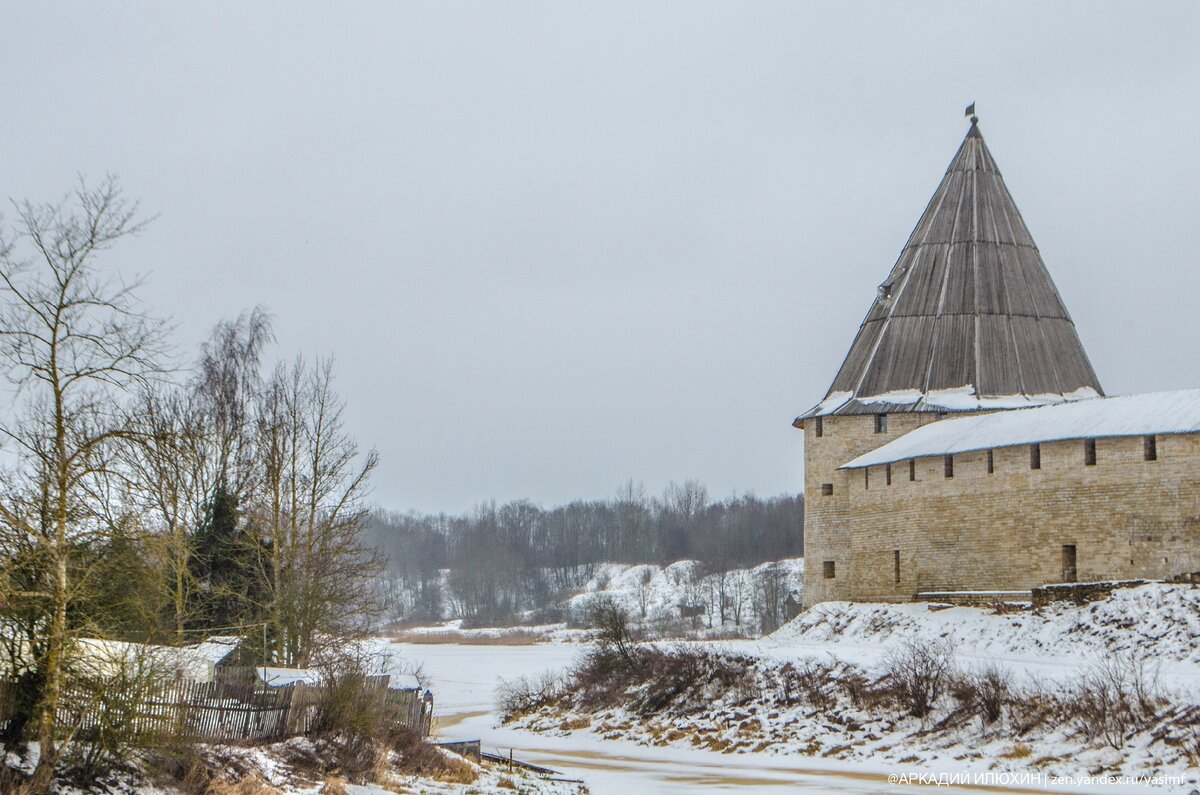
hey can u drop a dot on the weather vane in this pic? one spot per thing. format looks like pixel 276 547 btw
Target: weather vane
pixel 971 113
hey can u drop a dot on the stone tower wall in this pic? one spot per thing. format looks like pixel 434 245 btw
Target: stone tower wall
pixel 826 517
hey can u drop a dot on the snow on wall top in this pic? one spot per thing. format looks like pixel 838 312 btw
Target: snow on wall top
pixel 1129 415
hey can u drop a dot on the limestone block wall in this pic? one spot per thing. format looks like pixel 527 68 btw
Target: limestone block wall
pixel 826 516
pixel 1006 529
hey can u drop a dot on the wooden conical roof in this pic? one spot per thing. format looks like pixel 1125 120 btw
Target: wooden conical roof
pixel 968 316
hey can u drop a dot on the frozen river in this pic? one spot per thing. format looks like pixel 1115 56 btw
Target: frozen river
pixel 464 679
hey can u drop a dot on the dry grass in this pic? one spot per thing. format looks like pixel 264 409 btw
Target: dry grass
pixel 419 758
pixel 334 786
pixel 1018 751
pixel 247 785
pixel 517 638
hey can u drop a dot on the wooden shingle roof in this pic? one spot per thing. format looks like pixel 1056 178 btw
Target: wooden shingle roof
pixel 968 307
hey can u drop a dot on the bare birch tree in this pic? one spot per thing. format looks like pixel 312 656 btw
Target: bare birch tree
pixel 73 343
pixel 171 481
pixel 319 572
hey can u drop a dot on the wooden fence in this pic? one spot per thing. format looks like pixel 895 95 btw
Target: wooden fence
pixel 215 711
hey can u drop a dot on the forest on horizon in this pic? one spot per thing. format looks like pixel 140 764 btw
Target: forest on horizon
pixel 494 562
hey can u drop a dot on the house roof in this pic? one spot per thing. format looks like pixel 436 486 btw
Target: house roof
pixel 217 648
pixel 1148 414
pixel 107 657
pixel 968 307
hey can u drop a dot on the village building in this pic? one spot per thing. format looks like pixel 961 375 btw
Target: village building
pixel 966 445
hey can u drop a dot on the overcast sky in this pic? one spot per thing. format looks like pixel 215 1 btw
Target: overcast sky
pixel 554 246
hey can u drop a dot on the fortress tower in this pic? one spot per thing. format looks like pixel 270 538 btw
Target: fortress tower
pixel 967 321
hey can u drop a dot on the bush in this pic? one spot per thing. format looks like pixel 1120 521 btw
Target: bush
pixel 523 695
pixel 614 633
pixel 808 684
pixel 1116 698
pixel 109 693
pixel 684 679
pixel 419 758
pixel 352 724
pixel 983 692
pixel 918 672
pixel 678 680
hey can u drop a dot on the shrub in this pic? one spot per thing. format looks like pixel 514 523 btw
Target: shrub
pixel 983 692
pixel 614 633
pixel 807 684
pixel 419 758
pixel 684 679
pixel 1117 697
pixel 109 694
pixel 352 723
pixel 523 695
pixel 917 673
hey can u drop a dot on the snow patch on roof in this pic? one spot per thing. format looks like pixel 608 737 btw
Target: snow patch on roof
pixel 1129 415
pixel 282 677
pixel 404 682
pixel 216 648
pixel 961 398
pixel 832 403
pixel 901 397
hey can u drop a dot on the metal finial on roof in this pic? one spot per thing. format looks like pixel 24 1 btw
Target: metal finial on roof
pixel 971 112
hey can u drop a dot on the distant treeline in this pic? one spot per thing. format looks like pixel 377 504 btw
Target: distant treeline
pixel 520 556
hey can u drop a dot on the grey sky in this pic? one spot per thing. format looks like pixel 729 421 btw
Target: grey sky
pixel 554 246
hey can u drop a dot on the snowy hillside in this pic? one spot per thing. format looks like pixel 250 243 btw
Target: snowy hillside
pixel 741 602
pixel 653 594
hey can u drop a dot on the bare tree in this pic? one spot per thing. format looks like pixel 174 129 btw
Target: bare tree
pixel 770 592
pixel 644 590
pixel 228 389
pixel 74 344
pixel 317 569
pixel 170 482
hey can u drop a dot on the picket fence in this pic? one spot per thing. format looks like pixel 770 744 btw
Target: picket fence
pixel 216 711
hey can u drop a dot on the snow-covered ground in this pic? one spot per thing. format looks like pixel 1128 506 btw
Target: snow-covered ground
pixel 466 678
pixel 1158 623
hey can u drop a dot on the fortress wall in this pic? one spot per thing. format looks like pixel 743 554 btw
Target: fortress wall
pixel 1127 517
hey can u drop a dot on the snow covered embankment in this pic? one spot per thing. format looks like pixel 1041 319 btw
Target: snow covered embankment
pixel 1155 621
pixel 813 689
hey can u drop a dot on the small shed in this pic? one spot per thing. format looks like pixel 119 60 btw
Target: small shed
pixel 792 605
